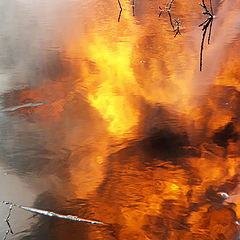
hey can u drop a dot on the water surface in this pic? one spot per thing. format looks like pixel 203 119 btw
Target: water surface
pixel 108 117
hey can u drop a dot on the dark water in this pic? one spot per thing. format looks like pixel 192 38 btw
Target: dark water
pixel 109 118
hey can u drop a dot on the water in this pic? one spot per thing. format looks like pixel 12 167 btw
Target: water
pixel 108 118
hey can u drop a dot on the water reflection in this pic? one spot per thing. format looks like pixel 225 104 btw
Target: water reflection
pixel 113 121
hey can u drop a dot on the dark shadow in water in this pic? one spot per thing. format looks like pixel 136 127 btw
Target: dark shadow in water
pixel 223 135
pixel 164 151
pixel 142 158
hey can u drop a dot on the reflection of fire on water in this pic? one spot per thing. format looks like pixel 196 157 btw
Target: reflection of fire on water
pixel 163 185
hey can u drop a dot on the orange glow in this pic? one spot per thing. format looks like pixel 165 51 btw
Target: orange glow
pixel 120 71
pixel 111 89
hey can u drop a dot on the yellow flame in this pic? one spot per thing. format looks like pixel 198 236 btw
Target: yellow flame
pixel 111 95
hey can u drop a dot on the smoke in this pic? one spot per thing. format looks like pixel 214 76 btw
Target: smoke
pixel 31 39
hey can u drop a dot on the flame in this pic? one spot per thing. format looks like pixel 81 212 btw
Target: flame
pixel 119 72
pixel 109 92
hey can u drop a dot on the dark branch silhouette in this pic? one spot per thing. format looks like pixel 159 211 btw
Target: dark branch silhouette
pixel 8 223
pixel 176 22
pixel 120 6
pixel 207 23
pixel 133 7
pixel 120 12
pixel 170 20
pixel 177 29
pixel 168 7
pixel 160 13
pixel 119 16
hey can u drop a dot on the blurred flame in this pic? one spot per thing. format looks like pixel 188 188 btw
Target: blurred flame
pixel 119 71
pixel 111 89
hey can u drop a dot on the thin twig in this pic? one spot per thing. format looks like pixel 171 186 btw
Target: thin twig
pixel 177 22
pixel 207 23
pixel 161 10
pixel 211 6
pixel 202 43
pixel 177 30
pixel 210 30
pixel 119 16
pixel 10 227
pixel 9 213
pixel 170 20
pixel 8 223
pixel 170 5
pixel 6 234
pixel 203 22
pixel 133 7
pixel 119 3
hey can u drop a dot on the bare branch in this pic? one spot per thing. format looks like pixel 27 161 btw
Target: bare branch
pixel 8 223
pixel 205 24
pixel 133 7
pixel 119 3
pixel 211 6
pixel 119 16
pixel 170 5
pixel 170 20
pixel 177 30
pixel 210 31
pixel 202 43
pixel 6 234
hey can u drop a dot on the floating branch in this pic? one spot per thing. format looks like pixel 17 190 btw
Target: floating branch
pixel 8 223
pixel 170 19
pixel 120 6
pixel 176 22
pixel 120 12
pixel 160 13
pixel 53 214
pixel 119 16
pixel 207 23
pixel 177 30
pixel 168 6
pixel 133 7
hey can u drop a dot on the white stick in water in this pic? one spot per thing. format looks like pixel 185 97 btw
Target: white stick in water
pixel 53 214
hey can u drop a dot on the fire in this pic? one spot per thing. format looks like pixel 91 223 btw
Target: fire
pixel 110 90
pixel 128 69
pixel 119 71
pixel 109 83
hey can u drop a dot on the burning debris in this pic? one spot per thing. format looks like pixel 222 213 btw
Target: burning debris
pixel 207 23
